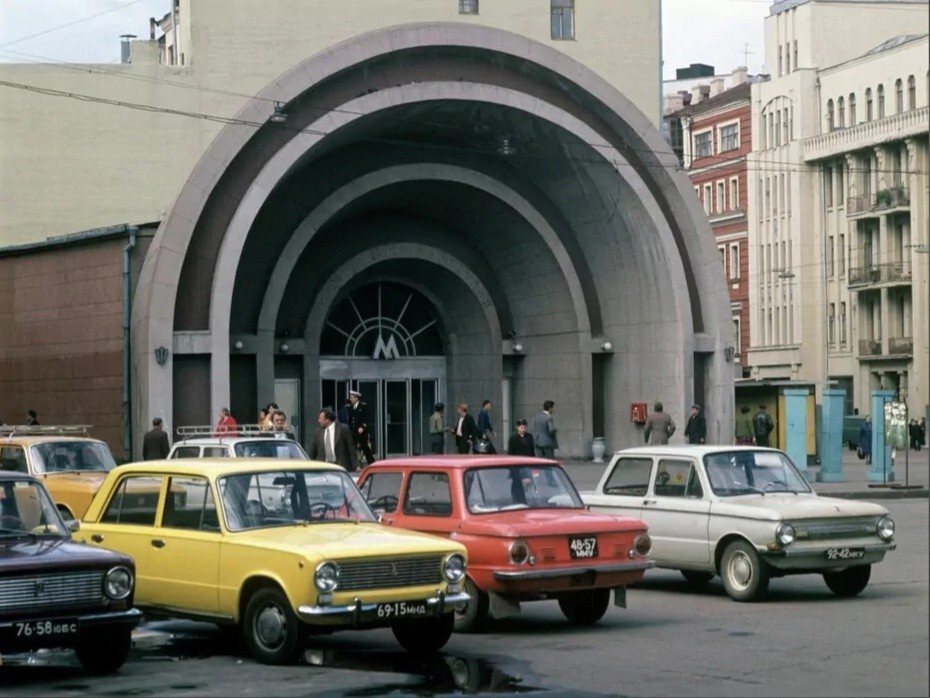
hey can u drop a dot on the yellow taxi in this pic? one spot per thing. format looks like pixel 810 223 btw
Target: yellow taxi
pixel 70 464
pixel 275 549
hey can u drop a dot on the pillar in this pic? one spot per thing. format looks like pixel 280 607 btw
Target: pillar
pixel 831 436
pixel 881 469
pixel 796 427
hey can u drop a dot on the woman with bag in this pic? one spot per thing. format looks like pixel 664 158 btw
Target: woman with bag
pixel 865 440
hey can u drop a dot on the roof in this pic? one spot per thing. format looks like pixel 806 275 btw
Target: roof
pixel 894 42
pixel 463 461
pixel 734 94
pixel 232 438
pixel 684 449
pixel 222 466
pixel 780 6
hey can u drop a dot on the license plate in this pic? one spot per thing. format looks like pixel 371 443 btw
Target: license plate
pixel 582 547
pixel 845 553
pixel 403 609
pixel 52 629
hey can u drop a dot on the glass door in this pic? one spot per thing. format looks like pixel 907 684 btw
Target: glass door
pixel 396 417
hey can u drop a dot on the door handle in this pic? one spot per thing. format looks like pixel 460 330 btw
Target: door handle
pixel 158 543
pixel 649 501
pixel 97 538
pixel 389 522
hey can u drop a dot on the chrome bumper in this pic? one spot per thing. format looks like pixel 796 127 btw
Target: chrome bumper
pixel 815 559
pixel 565 573
pixel 359 613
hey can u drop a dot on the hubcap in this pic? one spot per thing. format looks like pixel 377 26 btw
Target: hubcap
pixel 740 570
pixel 270 627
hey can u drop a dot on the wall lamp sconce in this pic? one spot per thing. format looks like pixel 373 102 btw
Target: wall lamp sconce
pixel 161 355
pixel 285 347
pixel 517 347
pixel 237 345
pixel 607 346
pixel 278 116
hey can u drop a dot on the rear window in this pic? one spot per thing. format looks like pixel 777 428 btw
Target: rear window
pixel 270 448
pixel 72 456
pixel 629 476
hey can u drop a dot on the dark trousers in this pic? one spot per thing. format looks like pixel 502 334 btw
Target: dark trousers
pixel 462 445
pixel 437 443
pixel 362 444
pixel 545 452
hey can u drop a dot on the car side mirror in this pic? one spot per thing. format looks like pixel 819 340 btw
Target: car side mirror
pixel 73 526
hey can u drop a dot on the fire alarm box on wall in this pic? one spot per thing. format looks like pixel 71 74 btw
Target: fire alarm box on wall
pixel 638 412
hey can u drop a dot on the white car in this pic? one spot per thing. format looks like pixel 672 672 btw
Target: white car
pixel 247 441
pixel 745 514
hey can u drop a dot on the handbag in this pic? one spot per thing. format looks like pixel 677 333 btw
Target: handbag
pixel 860 452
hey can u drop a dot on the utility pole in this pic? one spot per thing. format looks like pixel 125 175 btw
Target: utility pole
pixel 746 53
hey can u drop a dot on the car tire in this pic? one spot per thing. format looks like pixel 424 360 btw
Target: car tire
pixel 426 636
pixel 695 578
pixel 272 631
pixel 473 617
pixel 585 607
pixel 104 651
pixel 850 581
pixel 745 575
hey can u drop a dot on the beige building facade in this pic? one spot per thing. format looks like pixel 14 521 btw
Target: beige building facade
pixel 811 310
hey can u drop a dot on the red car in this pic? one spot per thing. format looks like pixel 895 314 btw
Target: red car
pixel 528 534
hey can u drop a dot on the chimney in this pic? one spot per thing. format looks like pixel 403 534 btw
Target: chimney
pixel 674 103
pixel 699 92
pixel 126 47
pixel 740 75
pixel 152 25
pixel 716 87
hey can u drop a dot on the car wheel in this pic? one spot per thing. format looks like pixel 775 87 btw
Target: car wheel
pixel 695 578
pixel 272 631
pixel 103 652
pixel 745 576
pixel 850 581
pixel 425 636
pixel 585 607
pixel 473 617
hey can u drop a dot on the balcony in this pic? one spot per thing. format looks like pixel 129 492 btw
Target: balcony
pixel 870 347
pixel 863 276
pixel 882 201
pixel 901 346
pixel 892 274
pixel 866 135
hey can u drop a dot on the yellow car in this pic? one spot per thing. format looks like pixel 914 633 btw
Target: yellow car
pixel 71 465
pixel 277 549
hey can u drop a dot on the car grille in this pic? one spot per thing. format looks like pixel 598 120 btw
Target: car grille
pixel 51 591
pixel 397 572
pixel 819 530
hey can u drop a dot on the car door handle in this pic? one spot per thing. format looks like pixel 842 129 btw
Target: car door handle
pixel 158 543
pixel 650 501
pixel 389 522
pixel 97 538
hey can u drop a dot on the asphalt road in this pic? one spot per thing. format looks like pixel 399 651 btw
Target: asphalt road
pixel 670 641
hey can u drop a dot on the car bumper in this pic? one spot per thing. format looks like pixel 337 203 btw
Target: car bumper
pixel 360 614
pixel 112 620
pixel 817 559
pixel 568 573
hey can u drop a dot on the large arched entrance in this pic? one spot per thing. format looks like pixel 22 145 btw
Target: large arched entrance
pixel 523 200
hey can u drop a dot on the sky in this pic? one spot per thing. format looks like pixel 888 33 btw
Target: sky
pixel 87 31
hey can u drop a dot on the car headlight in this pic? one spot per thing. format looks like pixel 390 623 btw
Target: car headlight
pixel 118 583
pixel 519 552
pixel 642 544
pixel 885 528
pixel 326 577
pixel 785 534
pixel 453 568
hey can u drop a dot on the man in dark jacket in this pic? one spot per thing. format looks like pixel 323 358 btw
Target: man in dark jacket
pixel 764 426
pixel 155 444
pixel 521 443
pixel 333 442
pixel 465 430
pixel 358 424
pixel 696 429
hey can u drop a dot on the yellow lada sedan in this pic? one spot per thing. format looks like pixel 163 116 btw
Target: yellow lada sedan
pixel 278 550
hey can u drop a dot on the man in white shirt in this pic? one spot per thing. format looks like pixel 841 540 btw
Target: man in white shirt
pixel 333 442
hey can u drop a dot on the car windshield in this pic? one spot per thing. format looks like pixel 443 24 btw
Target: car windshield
pixel 26 509
pixel 506 488
pixel 270 448
pixel 288 497
pixel 72 456
pixel 734 473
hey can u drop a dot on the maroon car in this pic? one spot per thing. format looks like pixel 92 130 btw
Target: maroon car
pixel 56 593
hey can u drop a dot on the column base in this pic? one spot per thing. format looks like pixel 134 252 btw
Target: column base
pixel 887 476
pixel 830 476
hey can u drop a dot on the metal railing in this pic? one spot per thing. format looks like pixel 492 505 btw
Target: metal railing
pixel 51 430
pixel 893 197
pixel 870 347
pixel 858 276
pixel 900 345
pixel 888 272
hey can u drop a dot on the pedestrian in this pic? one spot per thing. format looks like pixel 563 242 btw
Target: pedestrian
pixel 696 428
pixel 155 444
pixel 333 442
pixel 485 430
pixel 344 412
pixel 545 434
pixel 745 430
pixel 268 424
pixel 763 426
pixel 521 441
pixel 358 423
pixel 280 429
pixel 226 424
pixel 659 425
pixel 33 420
pixel 923 431
pixel 264 420
pixel 437 429
pixel 465 429
pixel 865 439
pixel 913 432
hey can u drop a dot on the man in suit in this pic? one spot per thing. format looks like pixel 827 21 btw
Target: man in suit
pixel 155 442
pixel 465 429
pixel 544 432
pixel 358 424
pixel 333 442
pixel 485 430
pixel 659 426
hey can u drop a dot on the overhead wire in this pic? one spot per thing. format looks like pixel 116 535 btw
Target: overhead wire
pixel 68 24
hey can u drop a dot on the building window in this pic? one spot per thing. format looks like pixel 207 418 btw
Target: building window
pixel 841 256
pixel 734 261
pixel 468 7
pixel 723 255
pixel 563 19
pixel 840 185
pixel 898 96
pixel 795 54
pixel 729 137
pixel 786 125
pixel 829 115
pixel 736 335
pixel 830 256
pixel 841 113
pixel 828 186
pixel 831 325
pixel 780 61
pixel 734 193
pixel 777 127
pixel 787 59
pixel 881 101
pixel 868 104
pixel 911 93
pixel 852 109
pixel 843 324
pixel 703 144
pixel 721 197
pixel 708 200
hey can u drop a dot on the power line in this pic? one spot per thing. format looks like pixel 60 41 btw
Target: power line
pixel 69 24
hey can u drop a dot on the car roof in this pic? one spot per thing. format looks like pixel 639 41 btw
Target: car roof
pixel 224 440
pixel 17 440
pixel 689 450
pixel 222 466
pixel 11 475
pixel 462 461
